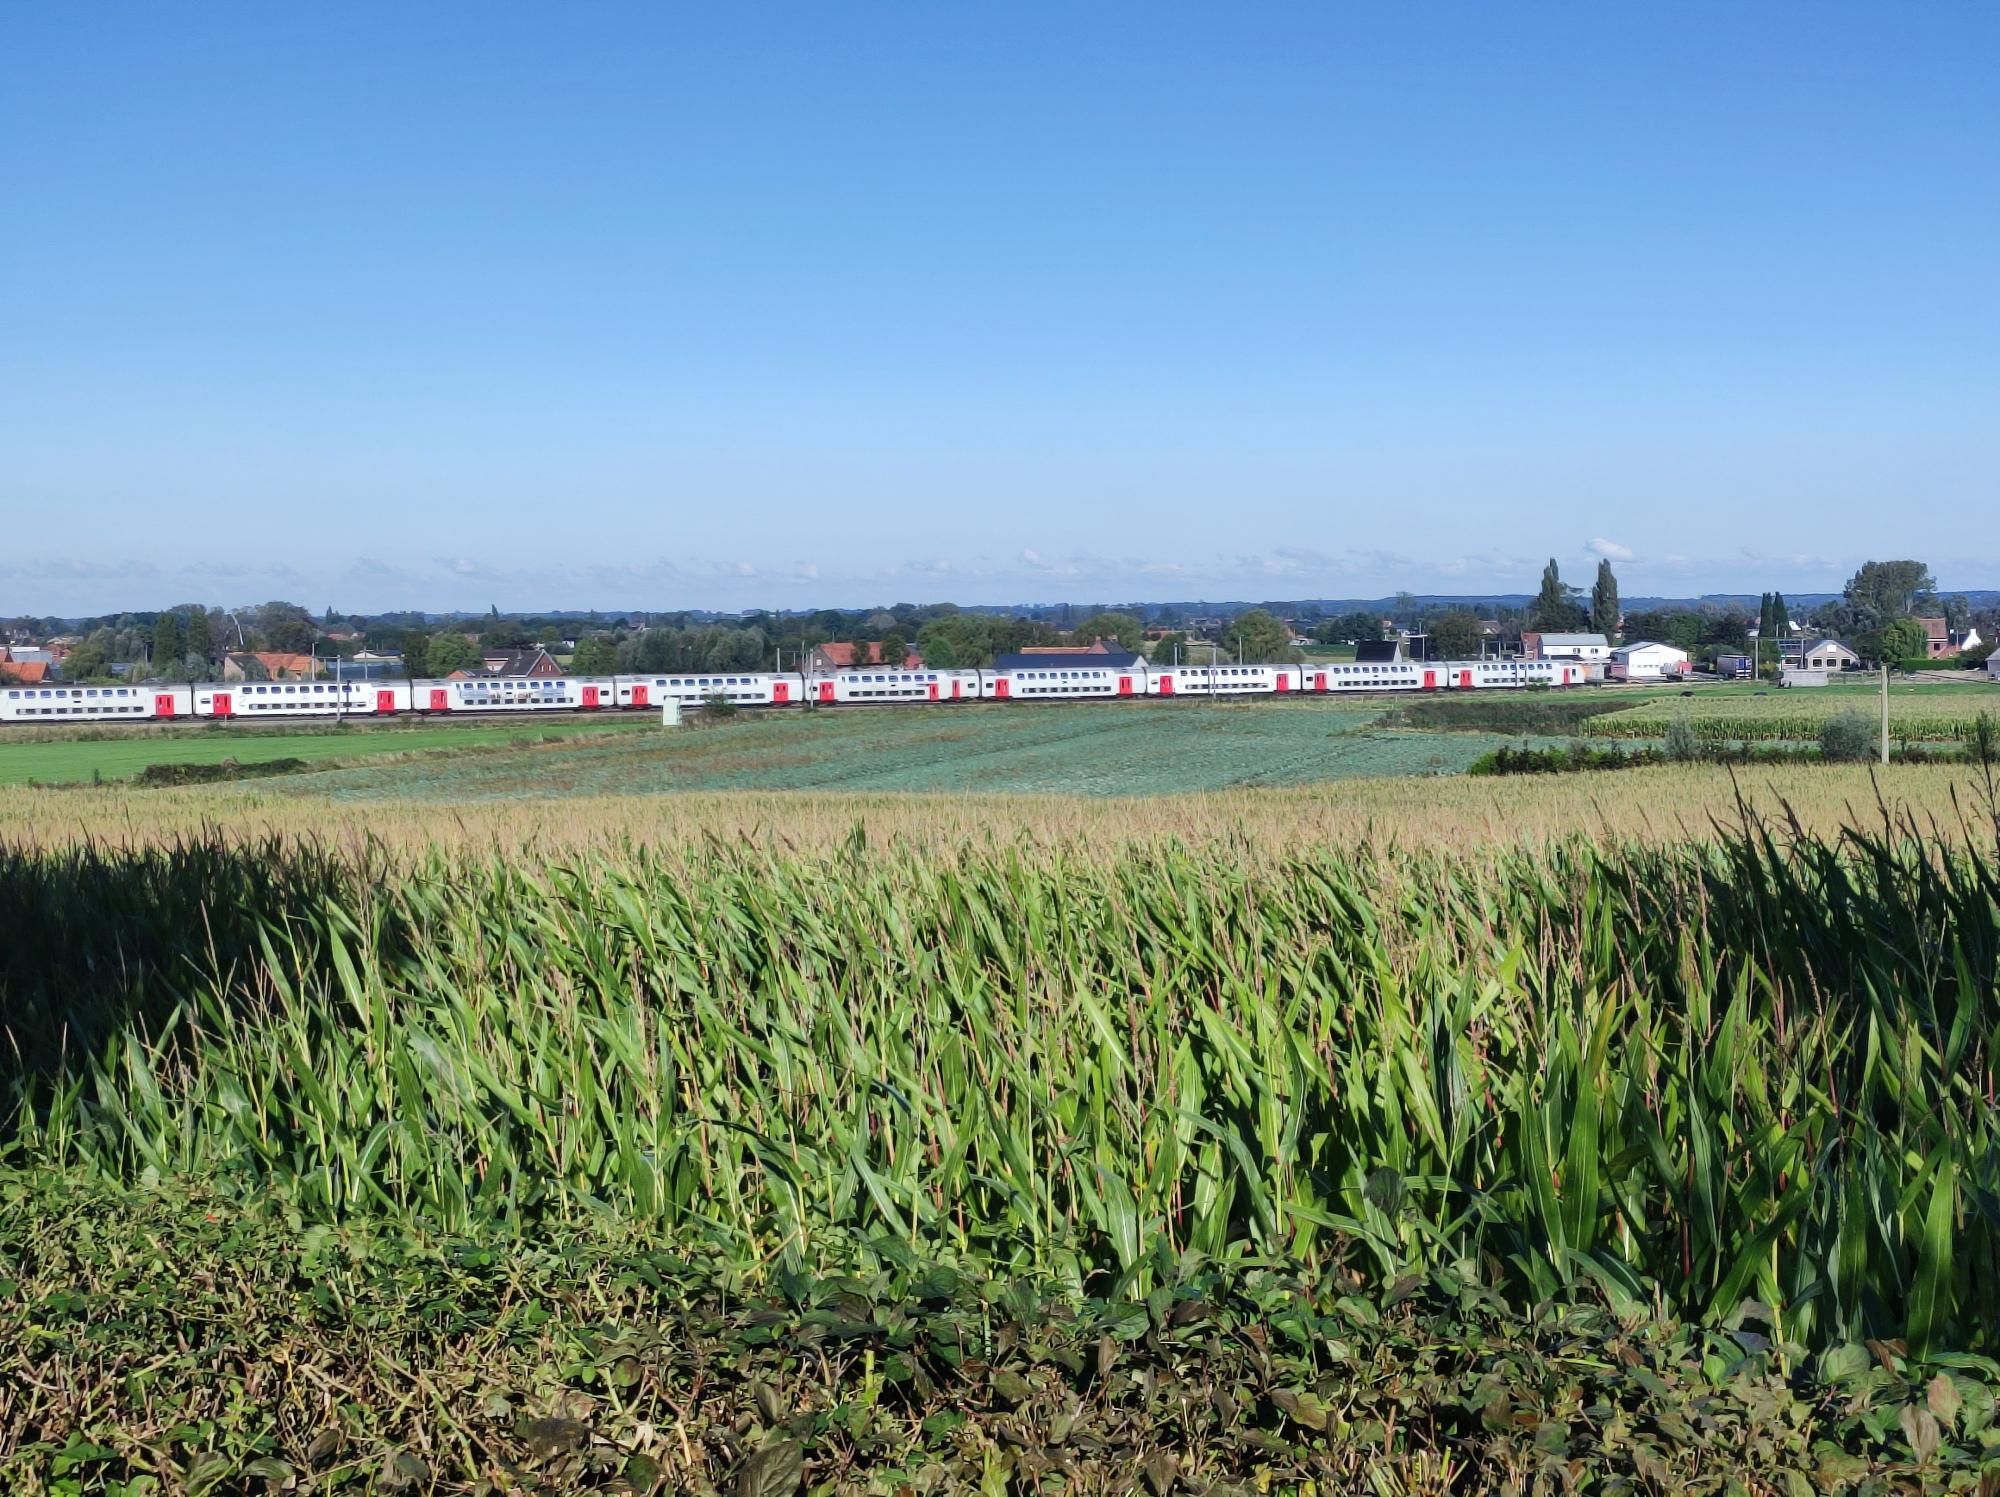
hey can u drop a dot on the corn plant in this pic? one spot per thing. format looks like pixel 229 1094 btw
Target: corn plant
pixel 1667 1077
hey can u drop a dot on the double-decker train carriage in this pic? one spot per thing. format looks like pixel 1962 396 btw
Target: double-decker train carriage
pixel 1070 679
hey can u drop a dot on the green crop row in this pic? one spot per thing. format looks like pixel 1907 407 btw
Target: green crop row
pixel 1797 715
pixel 1668 1080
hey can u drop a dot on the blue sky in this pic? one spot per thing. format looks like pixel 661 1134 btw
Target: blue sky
pixel 652 306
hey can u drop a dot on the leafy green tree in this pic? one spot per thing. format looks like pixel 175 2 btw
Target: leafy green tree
pixel 1456 635
pixel 169 642
pixel 1167 648
pixel 894 651
pixel 1858 623
pixel 505 634
pixel 1904 639
pixel 1349 627
pixel 595 656
pixel 417 655
pixel 285 626
pixel 1122 629
pixel 85 663
pixel 1257 638
pixel 1555 609
pixel 1893 589
pixel 200 638
pixel 1729 629
pixel 1781 616
pixel 1604 600
pixel 939 642
pixel 1684 628
pixel 1957 612
pixel 451 652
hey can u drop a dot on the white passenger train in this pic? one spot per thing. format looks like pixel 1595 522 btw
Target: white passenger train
pixel 1067 679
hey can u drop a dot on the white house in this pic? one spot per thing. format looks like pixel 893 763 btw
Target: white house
pixel 1830 655
pixel 1589 647
pixel 1646 660
pixel 1993 665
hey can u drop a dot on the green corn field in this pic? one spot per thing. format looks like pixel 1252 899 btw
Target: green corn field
pixel 1921 716
pixel 1663 1079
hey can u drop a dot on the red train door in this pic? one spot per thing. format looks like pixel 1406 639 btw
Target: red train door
pixel 589 696
pixel 223 704
pixel 639 695
pixel 781 691
pixel 1166 686
pixel 385 701
pixel 1319 680
pixel 1465 678
pixel 1430 680
pixel 933 686
pixel 1124 686
pixel 163 704
pixel 1284 681
pixel 826 691
pixel 439 702
pixel 955 684
pixel 1000 684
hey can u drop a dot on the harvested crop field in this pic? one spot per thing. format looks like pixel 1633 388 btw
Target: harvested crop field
pixel 1666 803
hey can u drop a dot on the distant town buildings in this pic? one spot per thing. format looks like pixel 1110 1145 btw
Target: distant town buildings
pixel 1829 655
pixel 266 665
pixel 1592 649
pixel 827 658
pixel 1647 660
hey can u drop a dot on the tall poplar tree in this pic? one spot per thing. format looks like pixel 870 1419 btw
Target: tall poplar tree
pixel 199 639
pixel 1553 609
pixel 169 643
pixel 1604 601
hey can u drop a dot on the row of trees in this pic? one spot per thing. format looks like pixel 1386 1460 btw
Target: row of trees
pixel 1560 609
pixel 1875 614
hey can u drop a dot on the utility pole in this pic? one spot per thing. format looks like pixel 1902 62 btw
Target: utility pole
pixel 1885 712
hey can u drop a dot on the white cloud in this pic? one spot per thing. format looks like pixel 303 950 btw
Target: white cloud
pixel 1610 550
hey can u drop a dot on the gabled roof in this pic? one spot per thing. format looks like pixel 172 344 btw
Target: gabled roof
pixel 1827 639
pixel 514 662
pixel 841 656
pixel 1095 647
pixel 1647 644
pixel 25 672
pixel 1571 639
pixel 1116 660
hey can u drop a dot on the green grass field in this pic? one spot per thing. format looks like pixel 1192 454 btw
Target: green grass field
pixel 54 761
pixel 1100 748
